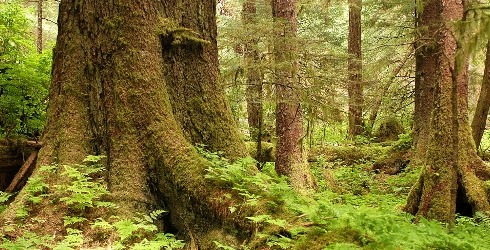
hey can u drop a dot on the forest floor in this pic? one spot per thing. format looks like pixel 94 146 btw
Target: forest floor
pixel 358 204
pixel 363 190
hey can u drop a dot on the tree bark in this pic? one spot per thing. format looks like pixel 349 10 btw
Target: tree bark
pixel 289 115
pixel 39 43
pixel 355 70
pixel 191 73
pixel 480 118
pixel 425 77
pixel 253 75
pixel 452 178
pixel 254 91
pixel 110 95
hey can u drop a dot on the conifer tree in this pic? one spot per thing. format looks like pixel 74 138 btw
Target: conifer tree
pixel 290 159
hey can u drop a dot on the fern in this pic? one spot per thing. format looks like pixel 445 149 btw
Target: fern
pixel 70 220
pixel 4 197
pixel 219 245
pixel 83 188
pixel 74 240
pixel 351 220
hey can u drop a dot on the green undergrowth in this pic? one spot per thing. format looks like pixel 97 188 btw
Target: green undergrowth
pixel 363 213
pixel 348 154
pixel 80 193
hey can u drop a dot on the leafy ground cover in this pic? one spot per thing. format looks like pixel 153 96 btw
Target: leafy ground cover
pixel 353 207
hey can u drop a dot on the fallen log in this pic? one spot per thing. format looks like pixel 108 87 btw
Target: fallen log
pixel 24 172
pixel 13 155
pixel 34 144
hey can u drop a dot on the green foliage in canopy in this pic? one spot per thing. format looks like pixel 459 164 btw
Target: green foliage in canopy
pixel 24 74
pixel 388 61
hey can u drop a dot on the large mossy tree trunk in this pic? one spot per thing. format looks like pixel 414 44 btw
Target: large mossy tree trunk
pixel 452 177
pixel 109 95
pixel 191 72
pixel 290 160
pixel 354 87
pixel 481 113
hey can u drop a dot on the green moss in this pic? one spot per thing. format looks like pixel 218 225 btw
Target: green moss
pixel 268 153
pixel 347 154
pixel 393 162
pixel 173 34
pixel 389 129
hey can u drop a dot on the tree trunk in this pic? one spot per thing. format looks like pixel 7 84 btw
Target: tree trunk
pixel 289 115
pixel 39 43
pixel 480 118
pixel 191 72
pixel 254 91
pixel 355 70
pixel 451 180
pixel 425 77
pixel 109 95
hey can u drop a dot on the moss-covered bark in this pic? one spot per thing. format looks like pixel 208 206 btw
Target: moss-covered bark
pixel 191 72
pixel 110 96
pixel 481 113
pixel 452 178
pixel 290 160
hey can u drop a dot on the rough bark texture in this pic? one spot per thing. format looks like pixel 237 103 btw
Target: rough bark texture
pixel 451 180
pixel 289 115
pixel 425 77
pixel 480 118
pixel 109 96
pixel 355 70
pixel 191 72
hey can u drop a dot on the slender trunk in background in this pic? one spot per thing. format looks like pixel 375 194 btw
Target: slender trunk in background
pixel 289 115
pixel 39 43
pixel 480 118
pixel 254 91
pixel 453 177
pixel 355 70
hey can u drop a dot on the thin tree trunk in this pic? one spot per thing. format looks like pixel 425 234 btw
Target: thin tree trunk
pixel 355 70
pixel 289 115
pixel 39 43
pixel 480 118
pixel 254 91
